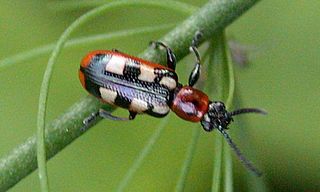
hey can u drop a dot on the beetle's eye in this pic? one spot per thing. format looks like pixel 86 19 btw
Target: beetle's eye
pixel 219 106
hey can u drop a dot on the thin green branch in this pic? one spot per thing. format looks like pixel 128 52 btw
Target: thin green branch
pixel 217 163
pixel 221 14
pixel 231 81
pixel 219 71
pixel 76 4
pixel 225 91
pixel 21 161
pixel 36 52
pixel 231 87
pixel 41 160
pixel 228 173
pixel 186 165
pixel 142 155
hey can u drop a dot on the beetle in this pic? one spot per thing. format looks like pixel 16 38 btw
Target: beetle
pixel 142 86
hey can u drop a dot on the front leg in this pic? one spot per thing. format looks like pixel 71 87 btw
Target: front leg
pixel 171 58
pixel 195 73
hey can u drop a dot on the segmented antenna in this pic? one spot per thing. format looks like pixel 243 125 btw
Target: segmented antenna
pixel 241 157
pixel 247 110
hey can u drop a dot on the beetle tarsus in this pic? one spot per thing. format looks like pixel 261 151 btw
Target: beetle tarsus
pixel 115 50
pixel 153 44
pixel 132 115
pixel 196 38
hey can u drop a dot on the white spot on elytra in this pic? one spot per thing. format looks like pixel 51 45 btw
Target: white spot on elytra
pixel 116 64
pixel 138 105
pixel 108 95
pixel 146 74
pixel 169 82
pixel 161 109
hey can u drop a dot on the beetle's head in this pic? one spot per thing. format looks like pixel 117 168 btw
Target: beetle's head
pixel 217 116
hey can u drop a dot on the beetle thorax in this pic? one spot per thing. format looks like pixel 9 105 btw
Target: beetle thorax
pixel 190 104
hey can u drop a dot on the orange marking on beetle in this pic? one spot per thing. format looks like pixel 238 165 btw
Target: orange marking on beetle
pixel 82 79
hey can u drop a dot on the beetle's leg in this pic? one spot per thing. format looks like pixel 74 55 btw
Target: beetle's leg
pixel 104 114
pixel 132 115
pixel 115 50
pixel 107 115
pixel 171 58
pixel 195 73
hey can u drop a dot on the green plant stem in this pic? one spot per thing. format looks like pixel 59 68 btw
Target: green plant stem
pixel 229 102
pixel 218 72
pixel 21 161
pixel 228 171
pixel 221 70
pixel 211 18
pixel 216 176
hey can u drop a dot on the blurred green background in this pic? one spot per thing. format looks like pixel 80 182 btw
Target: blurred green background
pixel 282 77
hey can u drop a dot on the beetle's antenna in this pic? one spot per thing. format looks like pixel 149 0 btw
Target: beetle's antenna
pixel 247 110
pixel 241 157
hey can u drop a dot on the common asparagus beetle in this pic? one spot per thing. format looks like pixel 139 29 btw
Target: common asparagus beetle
pixel 145 87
